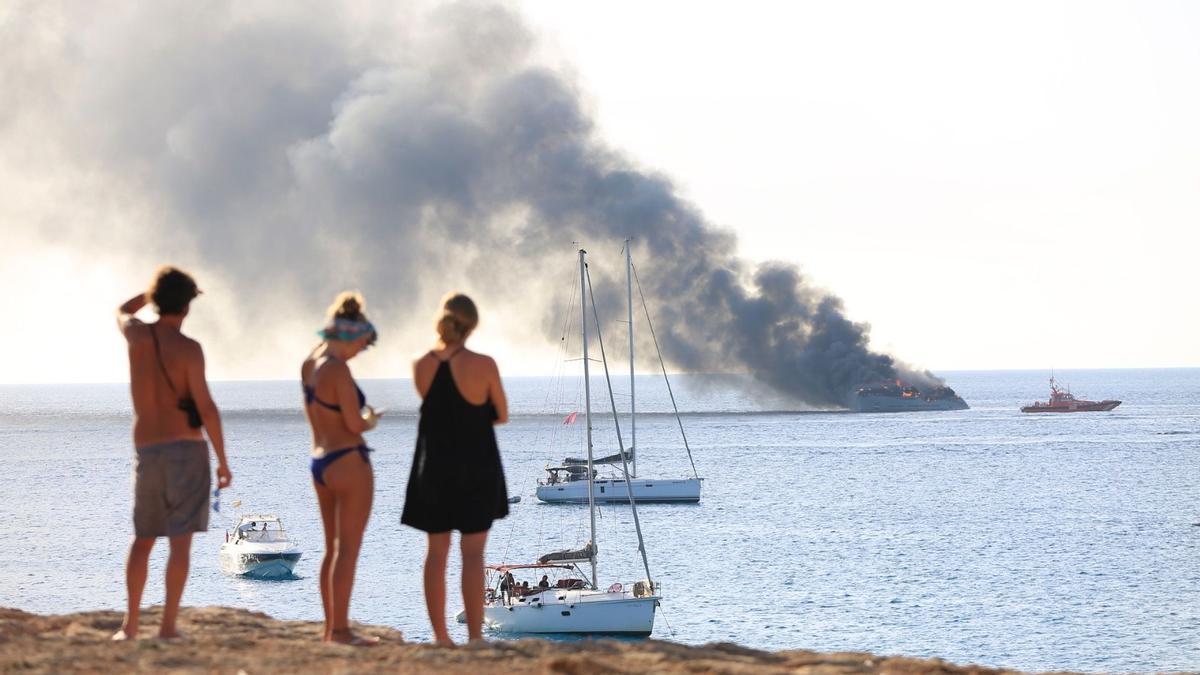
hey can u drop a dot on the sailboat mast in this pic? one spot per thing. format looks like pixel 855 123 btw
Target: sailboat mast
pixel 612 401
pixel 587 411
pixel 632 407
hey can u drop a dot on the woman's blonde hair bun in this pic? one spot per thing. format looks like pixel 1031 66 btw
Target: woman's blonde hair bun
pixel 458 317
pixel 349 305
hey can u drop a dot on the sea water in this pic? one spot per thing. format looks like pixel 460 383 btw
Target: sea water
pixel 988 536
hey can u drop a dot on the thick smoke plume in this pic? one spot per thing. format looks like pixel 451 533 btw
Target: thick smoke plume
pixel 399 151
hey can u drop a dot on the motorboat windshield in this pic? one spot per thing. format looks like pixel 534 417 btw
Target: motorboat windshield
pixel 260 529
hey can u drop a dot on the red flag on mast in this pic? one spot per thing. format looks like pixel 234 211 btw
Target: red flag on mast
pixel 570 419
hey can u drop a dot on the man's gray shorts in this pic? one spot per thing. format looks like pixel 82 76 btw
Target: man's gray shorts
pixel 170 489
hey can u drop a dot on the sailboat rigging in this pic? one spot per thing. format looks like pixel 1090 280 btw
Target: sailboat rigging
pixel 571 604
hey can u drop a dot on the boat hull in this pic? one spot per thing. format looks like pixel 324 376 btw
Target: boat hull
pixel 616 491
pixel 260 565
pixel 888 404
pixel 576 613
pixel 1079 406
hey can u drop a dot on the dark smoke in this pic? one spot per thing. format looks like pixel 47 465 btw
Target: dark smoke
pixel 402 152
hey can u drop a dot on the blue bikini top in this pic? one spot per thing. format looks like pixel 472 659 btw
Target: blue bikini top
pixel 310 396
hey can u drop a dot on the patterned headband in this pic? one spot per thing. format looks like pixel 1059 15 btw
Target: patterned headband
pixel 346 329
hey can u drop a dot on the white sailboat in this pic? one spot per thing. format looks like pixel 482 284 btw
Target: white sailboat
pixel 573 601
pixel 568 483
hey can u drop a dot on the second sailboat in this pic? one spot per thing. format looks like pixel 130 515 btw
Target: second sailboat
pixel 567 483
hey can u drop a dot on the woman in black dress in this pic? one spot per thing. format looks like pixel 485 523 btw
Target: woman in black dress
pixel 457 482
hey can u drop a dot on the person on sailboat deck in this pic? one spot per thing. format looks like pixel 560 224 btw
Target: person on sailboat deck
pixel 506 586
pixel 457 481
pixel 341 466
pixel 545 582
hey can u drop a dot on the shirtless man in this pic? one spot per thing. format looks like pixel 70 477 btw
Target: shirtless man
pixel 171 469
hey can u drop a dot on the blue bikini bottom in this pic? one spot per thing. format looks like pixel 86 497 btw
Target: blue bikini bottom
pixel 319 464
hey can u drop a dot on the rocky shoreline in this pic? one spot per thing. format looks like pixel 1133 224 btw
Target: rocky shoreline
pixel 226 640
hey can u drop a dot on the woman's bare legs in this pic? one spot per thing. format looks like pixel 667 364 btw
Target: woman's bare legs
pixel 328 504
pixel 435 585
pixel 352 483
pixel 472 546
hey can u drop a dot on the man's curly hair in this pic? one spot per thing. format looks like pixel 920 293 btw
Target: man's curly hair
pixel 172 290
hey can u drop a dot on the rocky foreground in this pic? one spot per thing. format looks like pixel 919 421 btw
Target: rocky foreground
pixel 224 640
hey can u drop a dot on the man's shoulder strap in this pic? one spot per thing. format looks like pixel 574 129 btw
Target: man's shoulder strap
pixel 158 357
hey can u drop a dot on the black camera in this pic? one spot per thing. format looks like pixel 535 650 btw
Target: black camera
pixel 188 406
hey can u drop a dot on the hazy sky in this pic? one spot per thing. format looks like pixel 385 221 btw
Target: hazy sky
pixel 1004 185
pixel 990 185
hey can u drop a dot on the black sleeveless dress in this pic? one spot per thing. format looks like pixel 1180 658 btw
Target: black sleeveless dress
pixel 457 482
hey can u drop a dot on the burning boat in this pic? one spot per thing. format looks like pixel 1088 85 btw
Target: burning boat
pixel 900 397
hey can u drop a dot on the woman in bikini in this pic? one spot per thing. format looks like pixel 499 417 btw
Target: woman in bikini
pixel 457 482
pixel 341 465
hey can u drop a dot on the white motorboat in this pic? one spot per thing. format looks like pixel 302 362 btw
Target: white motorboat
pixel 567 483
pixel 573 602
pixel 259 548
